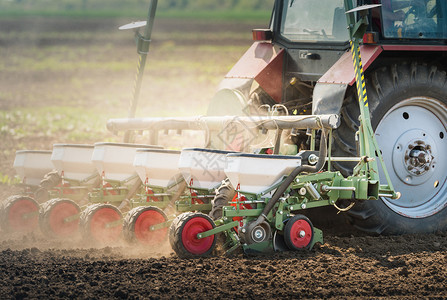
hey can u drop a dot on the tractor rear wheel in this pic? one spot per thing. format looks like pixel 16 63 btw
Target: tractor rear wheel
pixel 183 235
pixel 101 224
pixel 138 223
pixel 19 214
pixel 59 218
pixel 408 106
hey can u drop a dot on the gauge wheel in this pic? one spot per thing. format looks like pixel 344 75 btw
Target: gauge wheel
pixel 101 224
pixel 59 218
pixel 138 223
pixel 20 214
pixel 298 233
pixel 183 235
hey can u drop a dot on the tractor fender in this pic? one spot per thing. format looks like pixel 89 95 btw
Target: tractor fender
pixel 261 62
pixel 330 89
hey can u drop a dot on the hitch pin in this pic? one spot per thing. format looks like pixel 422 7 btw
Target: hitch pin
pixel 327 188
pixel 394 197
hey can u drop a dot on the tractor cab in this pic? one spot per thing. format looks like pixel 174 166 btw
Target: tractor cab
pixel 411 20
pixel 310 22
pixel 324 22
pixel 311 63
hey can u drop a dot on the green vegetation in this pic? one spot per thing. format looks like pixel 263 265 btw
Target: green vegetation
pixel 203 9
pixel 74 124
pixel 8 180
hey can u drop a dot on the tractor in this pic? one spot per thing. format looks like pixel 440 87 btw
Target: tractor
pixel 302 63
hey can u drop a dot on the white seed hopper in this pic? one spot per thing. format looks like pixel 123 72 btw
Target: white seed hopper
pixel 115 160
pixel 75 161
pixel 158 167
pixel 255 173
pixel 203 168
pixel 32 165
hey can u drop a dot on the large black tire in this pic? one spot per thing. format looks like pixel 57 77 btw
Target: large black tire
pixel 224 194
pixel 182 235
pixel 137 225
pixel 408 104
pixel 53 215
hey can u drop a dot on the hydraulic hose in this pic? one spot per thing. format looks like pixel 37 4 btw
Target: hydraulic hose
pixel 289 179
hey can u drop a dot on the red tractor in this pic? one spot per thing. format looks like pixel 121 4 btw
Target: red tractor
pixel 303 62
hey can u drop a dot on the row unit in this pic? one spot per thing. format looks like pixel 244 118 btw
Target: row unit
pixel 200 168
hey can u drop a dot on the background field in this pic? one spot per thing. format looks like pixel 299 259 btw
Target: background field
pixel 133 7
pixel 63 77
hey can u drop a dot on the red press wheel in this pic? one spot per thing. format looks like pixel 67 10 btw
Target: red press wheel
pixel 139 222
pixel 20 214
pixel 298 233
pixel 101 223
pixel 183 235
pixel 60 218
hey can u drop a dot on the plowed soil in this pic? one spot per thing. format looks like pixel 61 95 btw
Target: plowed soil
pixel 410 266
pixel 348 265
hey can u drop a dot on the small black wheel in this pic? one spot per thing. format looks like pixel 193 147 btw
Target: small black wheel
pixel 138 223
pixel 224 195
pixel 299 233
pixel 101 224
pixel 183 235
pixel 19 214
pixel 59 218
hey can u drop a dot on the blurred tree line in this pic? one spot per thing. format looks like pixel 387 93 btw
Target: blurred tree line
pixel 215 5
pixel 163 5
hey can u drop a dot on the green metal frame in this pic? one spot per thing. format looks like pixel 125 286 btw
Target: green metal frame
pixel 121 188
pixel 77 190
pixel 319 189
pixel 186 202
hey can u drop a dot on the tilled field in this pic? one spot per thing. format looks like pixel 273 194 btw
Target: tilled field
pixel 410 266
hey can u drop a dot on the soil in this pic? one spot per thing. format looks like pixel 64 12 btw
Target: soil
pixel 410 266
pixel 348 265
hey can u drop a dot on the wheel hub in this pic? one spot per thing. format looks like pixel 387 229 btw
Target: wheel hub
pixel 414 156
pixel 418 158
pixel 258 234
